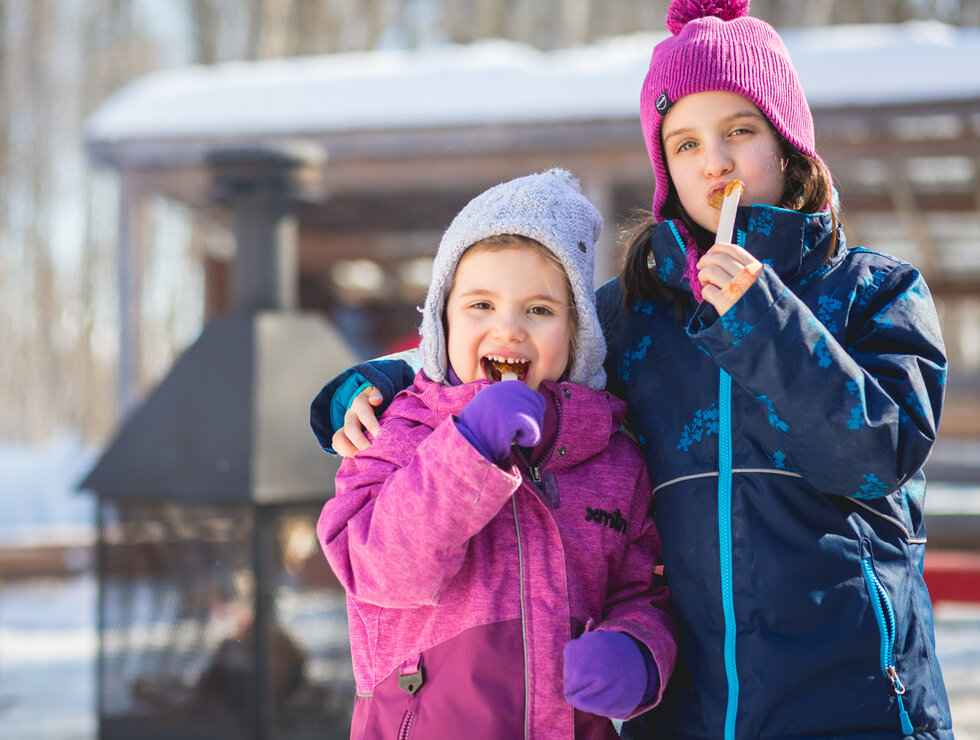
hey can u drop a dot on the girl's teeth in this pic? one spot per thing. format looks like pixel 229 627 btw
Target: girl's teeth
pixel 506 368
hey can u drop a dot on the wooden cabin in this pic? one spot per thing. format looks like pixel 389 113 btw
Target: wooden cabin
pixel 394 143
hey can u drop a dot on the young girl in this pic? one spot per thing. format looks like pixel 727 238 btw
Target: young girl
pixel 503 590
pixel 786 390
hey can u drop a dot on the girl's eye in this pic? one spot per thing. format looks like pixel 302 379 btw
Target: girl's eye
pixel 481 305
pixel 740 130
pixel 541 311
pixel 684 146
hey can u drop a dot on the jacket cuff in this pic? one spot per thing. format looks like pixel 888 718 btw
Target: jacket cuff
pixel 718 333
pixel 388 375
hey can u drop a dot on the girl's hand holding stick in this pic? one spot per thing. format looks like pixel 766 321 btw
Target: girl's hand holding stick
pixel 727 270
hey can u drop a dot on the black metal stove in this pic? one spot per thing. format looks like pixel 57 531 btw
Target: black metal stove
pixel 218 616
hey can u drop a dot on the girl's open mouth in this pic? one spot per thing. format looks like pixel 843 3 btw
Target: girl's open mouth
pixel 496 367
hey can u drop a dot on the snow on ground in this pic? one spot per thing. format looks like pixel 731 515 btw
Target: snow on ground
pixel 48 645
pixel 38 500
pixel 47 659
pixel 958 646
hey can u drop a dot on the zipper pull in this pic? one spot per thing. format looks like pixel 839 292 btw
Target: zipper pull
pixel 535 473
pixel 410 677
pixel 899 688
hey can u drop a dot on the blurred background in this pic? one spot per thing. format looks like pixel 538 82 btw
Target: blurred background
pixel 209 208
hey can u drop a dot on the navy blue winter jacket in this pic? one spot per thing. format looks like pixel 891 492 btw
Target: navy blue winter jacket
pixel 785 441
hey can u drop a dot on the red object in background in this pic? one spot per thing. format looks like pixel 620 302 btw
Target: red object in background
pixel 953 575
pixel 409 341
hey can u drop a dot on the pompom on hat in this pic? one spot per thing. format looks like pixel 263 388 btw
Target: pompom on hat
pixel 716 46
pixel 550 209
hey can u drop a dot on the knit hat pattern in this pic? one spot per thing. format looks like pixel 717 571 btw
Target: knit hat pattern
pixel 549 208
pixel 716 46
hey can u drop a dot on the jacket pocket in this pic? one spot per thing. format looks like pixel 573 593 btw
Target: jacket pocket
pixel 887 630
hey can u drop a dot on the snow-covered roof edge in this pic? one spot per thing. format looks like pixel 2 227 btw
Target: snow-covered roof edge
pixel 498 81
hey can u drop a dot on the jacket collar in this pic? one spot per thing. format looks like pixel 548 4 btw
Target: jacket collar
pixel 793 244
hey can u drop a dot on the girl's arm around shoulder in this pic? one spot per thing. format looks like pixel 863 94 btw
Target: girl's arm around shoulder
pixel 389 375
pixel 637 602
pixel 396 531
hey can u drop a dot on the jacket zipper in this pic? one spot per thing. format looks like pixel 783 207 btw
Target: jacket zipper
pixel 406 726
pixel 524 463
pixel 534 470
pixel 726 564
pixel 885 616
pixel 520 575
pixel 725 544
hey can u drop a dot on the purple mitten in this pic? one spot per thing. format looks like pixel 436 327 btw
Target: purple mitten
pixel 608 673
pixel 502 413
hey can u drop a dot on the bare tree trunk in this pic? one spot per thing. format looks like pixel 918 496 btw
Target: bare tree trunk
pixel 275 39
pixel 114 51
pixel 969 13
pixel 490 15
pixel 575 16
pixel 34 97
pixel 458 21
pixel 206 23
pixel 9 337
pixel 4 108
pixel 816 13
pixel 310 22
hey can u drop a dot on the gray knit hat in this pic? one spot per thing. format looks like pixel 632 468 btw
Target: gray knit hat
pixel 550 209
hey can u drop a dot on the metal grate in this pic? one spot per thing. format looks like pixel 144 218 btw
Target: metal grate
pixel 184 592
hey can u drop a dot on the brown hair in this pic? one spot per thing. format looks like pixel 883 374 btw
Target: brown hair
pixel 808 188
pixel 498 243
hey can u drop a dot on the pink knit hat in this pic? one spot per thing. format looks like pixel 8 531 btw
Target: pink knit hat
pixel 716 46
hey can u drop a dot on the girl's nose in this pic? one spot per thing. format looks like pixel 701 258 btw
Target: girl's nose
pixel 508 327
pixel 717 160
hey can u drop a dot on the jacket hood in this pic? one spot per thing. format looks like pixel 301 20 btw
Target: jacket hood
pixel 800 250
pixel 587 418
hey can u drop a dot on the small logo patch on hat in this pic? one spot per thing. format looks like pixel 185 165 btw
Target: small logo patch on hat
pixel 663 103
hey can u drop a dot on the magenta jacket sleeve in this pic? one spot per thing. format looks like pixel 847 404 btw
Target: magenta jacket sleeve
pixel 396 531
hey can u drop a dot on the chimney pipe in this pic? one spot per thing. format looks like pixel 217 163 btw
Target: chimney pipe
pixel 263 185
pixel 264 271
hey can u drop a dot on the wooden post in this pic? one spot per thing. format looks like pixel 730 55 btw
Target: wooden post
pixel 129 268
pixel 600 192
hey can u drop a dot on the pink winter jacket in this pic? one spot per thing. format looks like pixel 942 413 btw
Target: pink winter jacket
pixel 466 579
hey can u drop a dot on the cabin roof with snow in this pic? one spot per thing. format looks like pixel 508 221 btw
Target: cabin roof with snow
pixel 397 141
